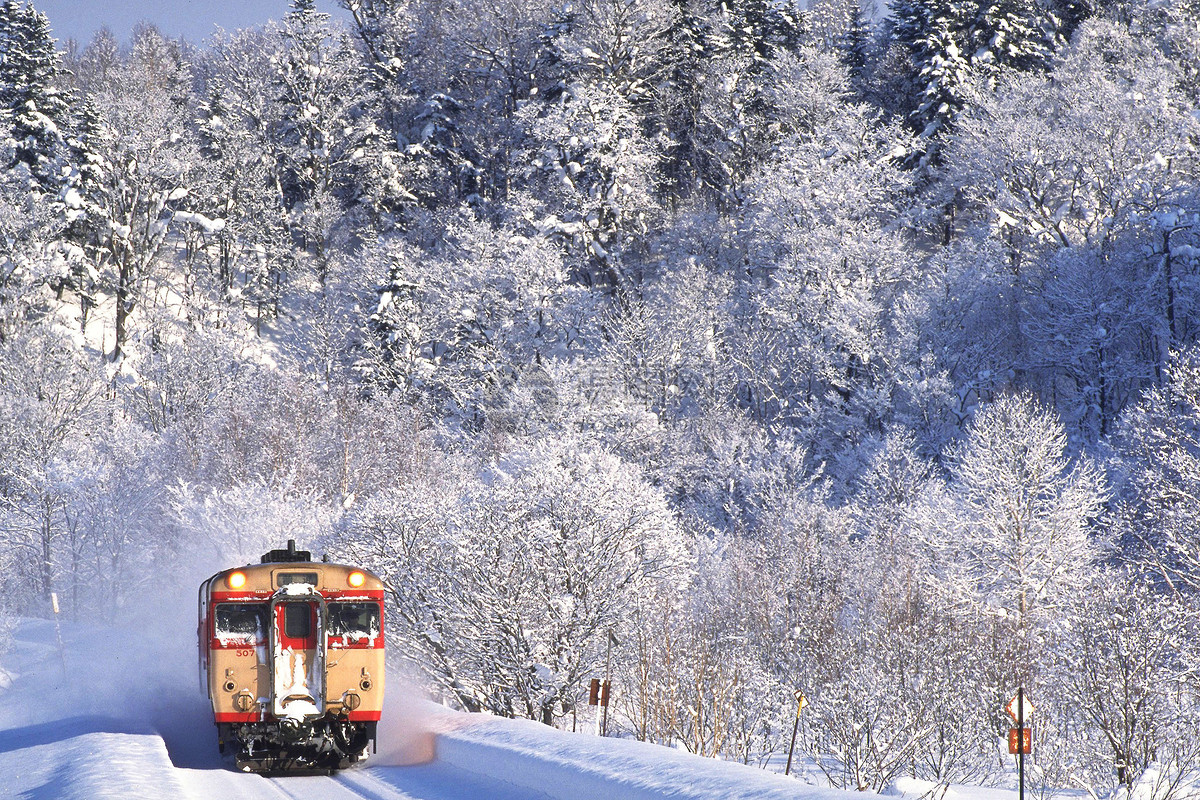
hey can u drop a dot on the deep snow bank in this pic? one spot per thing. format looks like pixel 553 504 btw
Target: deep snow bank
pixel 119 712
pixel 574 766
pixel 75 729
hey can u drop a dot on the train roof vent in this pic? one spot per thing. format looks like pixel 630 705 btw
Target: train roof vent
pixel 285 556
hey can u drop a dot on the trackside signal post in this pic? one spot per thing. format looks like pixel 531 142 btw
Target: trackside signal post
pixel 62 651
pixel 599 690
pixel 1020 738
pixel 801 702
pixel 598 696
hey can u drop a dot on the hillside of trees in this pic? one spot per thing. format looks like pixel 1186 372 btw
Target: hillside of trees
pixel 810 349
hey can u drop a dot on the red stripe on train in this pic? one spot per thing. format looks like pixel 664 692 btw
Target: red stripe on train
pixel 333 643
pixel 328 594
pixel 255 716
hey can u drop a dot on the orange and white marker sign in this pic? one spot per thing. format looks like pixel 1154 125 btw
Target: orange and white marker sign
pixel 1020 704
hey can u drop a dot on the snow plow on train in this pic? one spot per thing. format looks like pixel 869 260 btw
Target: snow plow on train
pixel 291 655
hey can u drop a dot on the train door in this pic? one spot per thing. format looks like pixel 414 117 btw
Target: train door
pixel 298 680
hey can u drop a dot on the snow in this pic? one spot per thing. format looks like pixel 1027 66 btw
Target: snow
pixel 575 767
pixel 119 713
pixel 292 681
pixel 916 789
pixel 200 221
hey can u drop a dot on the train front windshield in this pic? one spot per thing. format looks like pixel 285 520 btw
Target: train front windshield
pixel 354 620
pixel 241 622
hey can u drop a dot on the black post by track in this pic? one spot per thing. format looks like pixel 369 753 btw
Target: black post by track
pixel 1021 744
pixel 605 687
pixel 792 746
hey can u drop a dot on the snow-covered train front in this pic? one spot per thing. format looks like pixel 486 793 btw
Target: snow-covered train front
pixel 291 654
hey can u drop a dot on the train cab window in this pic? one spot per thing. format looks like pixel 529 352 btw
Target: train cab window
pixel 354 621
pixel 240 622
pixel 297 620
pixel 288 578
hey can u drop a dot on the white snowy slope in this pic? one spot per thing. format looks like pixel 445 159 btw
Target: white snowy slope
pixel 569 767
pixel 118 713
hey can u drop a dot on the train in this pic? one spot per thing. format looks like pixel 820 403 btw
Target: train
pixel 292 660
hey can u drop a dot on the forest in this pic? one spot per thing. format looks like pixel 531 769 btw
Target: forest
pixel 841 349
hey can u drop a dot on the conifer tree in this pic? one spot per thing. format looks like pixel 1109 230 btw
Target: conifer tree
pixel 1067 15
pixel 759 28
pixel 936 34
pixel 954 44
pixel 855 48
pixel 1010 34
pixel 377 27
pixel 315 125
pixel 679 99
pixel 29 68
pixel 80 201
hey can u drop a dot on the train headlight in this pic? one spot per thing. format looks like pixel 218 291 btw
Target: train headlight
pixel 356 579
pixel 235 580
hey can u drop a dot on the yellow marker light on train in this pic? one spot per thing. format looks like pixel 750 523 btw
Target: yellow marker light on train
pixel 236 580
pixel 356 579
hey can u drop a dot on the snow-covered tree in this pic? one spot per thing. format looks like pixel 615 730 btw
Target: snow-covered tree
pixel 1125 671
pixel 633 315
pixel 758 29
pixel 151 151
pixel 242 205
pixel 30 77
pixel 856 46
pixel 111 524
pixel 600 171
pixel 668 344
pixel 455 324
pixel 1022 538
pixel 1159 441
pixel 470 68
pixel 239 523
pixel 936 36
pixel 96 61
pixel 1098 158
pixel 1010 35
pixel 1073 160
pixel 314 126
pixel 504 586
pixel 51 398
pixel 1089 333
pixel 812 334
pixel 30 258
pixel 380 29
pixel 958 46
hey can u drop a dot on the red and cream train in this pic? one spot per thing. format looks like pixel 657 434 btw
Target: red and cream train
pixel 291 655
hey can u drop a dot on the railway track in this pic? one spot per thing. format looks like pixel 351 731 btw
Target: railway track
pixel 343 786
pixel 426 782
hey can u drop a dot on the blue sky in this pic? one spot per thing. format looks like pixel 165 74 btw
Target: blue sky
pixel 193 19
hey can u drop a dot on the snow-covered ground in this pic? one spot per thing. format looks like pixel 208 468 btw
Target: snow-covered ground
pixel 119 713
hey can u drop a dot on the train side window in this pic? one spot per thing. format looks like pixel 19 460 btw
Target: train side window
pixel 297 620
pixel 354 621
pixel 240 622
